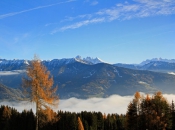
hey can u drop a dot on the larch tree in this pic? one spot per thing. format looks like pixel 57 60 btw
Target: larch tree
pixel 161 109
pixel 39 86
pixel 155 113
pixel 80 124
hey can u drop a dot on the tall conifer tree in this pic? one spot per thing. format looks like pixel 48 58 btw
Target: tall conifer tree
pixel 39 86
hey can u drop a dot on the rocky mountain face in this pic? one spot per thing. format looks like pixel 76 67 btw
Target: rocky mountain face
pixel 77 77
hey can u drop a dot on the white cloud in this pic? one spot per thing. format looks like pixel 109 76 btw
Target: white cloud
pixel 49 24
pixel 113 104
pixel 172 73
pixel 87 16
pixel 15 72
pixel 20 106
pixel 125 11
pixel 94 3
pixel 79 24
pixel 28 10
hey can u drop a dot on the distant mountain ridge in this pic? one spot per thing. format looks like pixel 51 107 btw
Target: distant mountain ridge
pixel 157 60
pixel 155 64
pixel 8 65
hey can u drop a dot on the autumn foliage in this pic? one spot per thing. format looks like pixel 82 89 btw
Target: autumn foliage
pixel 150 113
pixel 39 86
pixel 80 124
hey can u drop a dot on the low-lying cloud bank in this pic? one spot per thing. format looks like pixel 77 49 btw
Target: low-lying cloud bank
pixel 13 72
pixel 113 104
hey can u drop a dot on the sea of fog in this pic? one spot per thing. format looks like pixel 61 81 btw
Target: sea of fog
pixel 113 104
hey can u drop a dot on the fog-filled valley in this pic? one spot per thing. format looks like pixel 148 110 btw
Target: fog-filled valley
pixel 113 104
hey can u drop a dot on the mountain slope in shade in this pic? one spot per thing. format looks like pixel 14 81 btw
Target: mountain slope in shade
pixel 103 80
pixel 100 80
pixel 7 93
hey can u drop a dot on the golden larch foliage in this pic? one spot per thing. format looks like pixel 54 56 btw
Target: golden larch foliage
pixel 148 97
pixel 80 124
pixel 39 86
pixel 104 116
pixel 137 96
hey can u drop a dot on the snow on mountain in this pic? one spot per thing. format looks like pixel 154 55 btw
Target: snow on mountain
pixel 13 64
pixel 21 64
pixel 89 60
pixel 93 60
pixel 79 59
pixel 13 72
pixel 157 59
pixel 15 61
pixel 155 63
pixel 58 62
pixel 171 73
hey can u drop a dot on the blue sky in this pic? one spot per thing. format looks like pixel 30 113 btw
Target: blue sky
pixel 116 31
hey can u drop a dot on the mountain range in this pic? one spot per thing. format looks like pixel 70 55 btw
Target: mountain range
pixel 155 64
pixel 92 77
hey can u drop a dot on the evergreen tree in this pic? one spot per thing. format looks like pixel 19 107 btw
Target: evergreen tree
pixel 5 114
pixel 121 122
pixel 161 110
pixel 14 122
pixel 131 116
pixel 173 115
pixel 155 112
pixel 100 121
pixel 145 113
pixel 133 113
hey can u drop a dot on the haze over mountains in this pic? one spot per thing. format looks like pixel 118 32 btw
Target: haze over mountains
pixel 92 77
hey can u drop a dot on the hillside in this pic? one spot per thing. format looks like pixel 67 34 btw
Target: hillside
pixel 82 80
pixel 10 93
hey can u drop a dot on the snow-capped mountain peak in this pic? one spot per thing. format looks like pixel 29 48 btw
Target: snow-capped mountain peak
pixel 22 64
pixel 157 60
pixel 78 57
pixel 88 60
pixel 93 60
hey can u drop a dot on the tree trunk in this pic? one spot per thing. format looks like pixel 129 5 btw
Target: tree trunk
pixel 36 115
pixel 37 109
